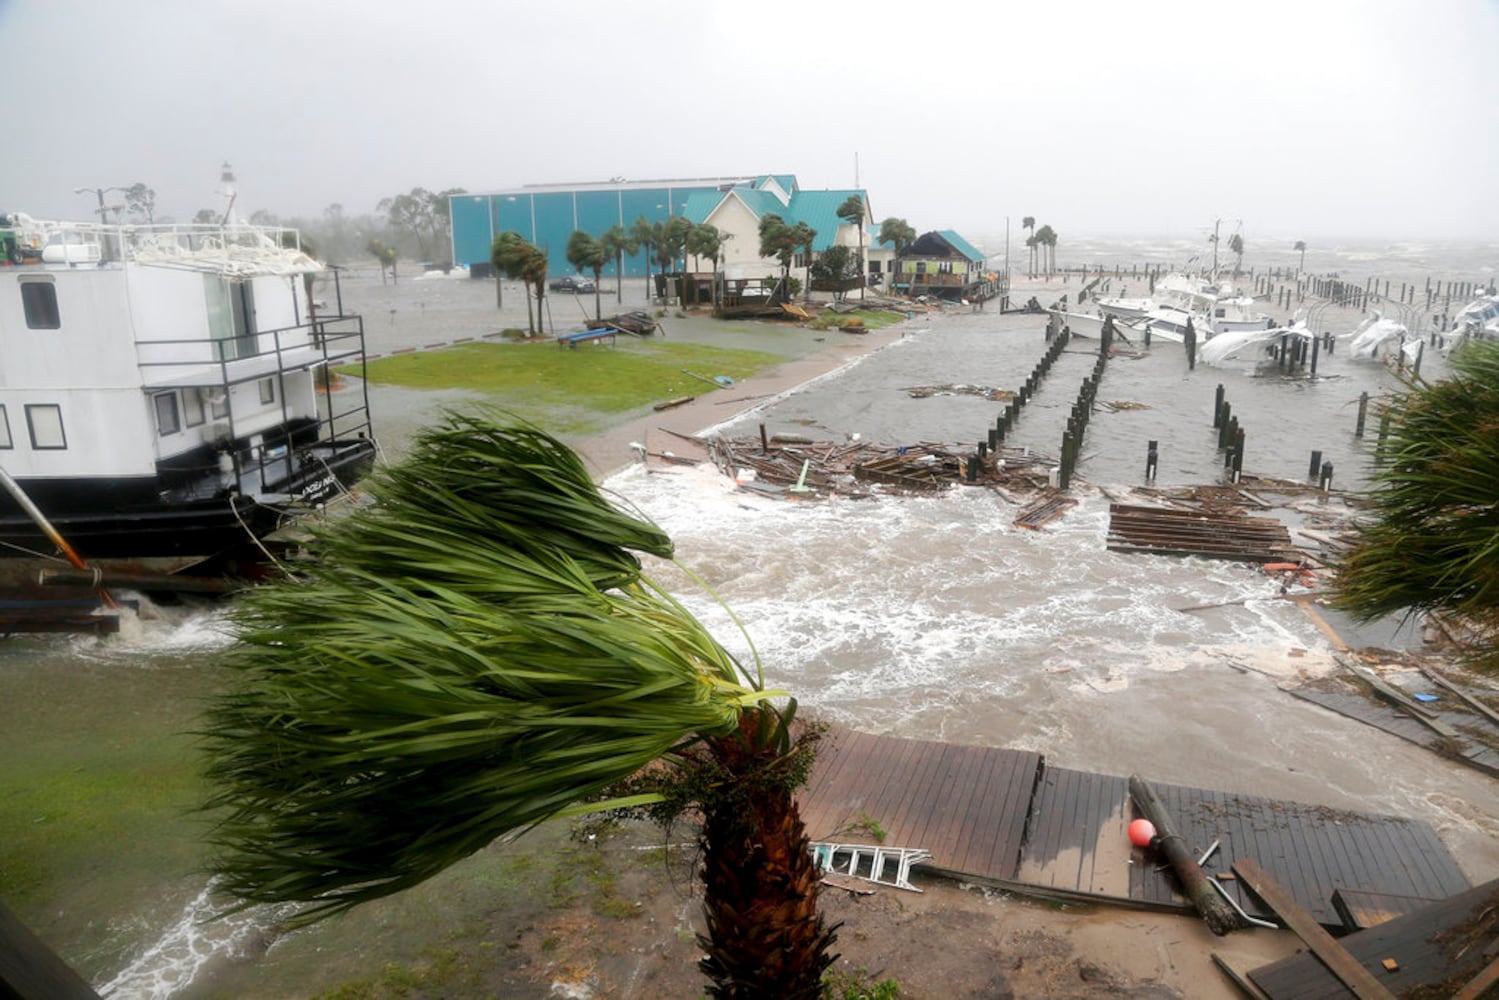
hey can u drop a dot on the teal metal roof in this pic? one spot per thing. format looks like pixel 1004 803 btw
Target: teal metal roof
pixel 787 182
pixel 699 204
pixel 961 245
pixel 819 209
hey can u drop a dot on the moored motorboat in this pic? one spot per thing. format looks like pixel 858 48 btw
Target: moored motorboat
pixel 167 398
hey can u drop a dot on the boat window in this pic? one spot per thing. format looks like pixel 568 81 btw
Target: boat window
pixel 39 297
pixel 44 421
pixel 192 407
pixel 167 420
pixel 5 441
pixel 231 316
pixel 267 391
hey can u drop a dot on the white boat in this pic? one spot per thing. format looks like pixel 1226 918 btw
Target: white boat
pixel 164 398
pixel 1212 307
pixel 1233 344
pixel 1479 319
pixel 1377 337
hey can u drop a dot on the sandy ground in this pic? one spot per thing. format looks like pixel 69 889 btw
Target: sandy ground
pixel 946 942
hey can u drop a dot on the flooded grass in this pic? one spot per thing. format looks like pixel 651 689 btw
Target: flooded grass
pixel 573 391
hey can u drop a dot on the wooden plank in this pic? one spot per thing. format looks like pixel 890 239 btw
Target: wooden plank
pixel 1019 800
pixel 979 827
pixel 1239 979
pixel 1343 965
pixel 1479 984
pixel 1361 910
pixel 1434 946
pixel 1467 699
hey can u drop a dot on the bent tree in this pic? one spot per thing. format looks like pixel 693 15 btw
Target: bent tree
pixel 481 651
pixel 1431 542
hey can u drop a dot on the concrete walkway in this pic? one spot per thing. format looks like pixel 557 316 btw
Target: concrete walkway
pixel 609 452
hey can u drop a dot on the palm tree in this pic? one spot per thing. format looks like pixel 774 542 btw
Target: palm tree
pixel 899 234
pixel 1029 222
pixel 1047 237
pixel 617 242
pixel 852 212
pixel 805 235
pixel 780 241
pixel 586 254
pixel 645 235
pixel 1236 247
pixel 705 240
pixel 480 651
pixel 512 255
pixel 386 257
pixel 1433 539
pixel 1301 245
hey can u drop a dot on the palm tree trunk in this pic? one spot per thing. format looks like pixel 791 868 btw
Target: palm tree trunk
pixel 765 936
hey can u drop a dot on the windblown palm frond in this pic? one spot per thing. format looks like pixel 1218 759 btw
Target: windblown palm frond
pixel 473 654
pixel 1433 542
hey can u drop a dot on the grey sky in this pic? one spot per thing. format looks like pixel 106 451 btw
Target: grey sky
pixel 1302 118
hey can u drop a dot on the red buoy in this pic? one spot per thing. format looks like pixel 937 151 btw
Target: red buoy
pixel 1141 832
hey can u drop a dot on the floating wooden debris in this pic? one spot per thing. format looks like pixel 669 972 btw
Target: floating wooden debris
pixel 859 469
pixel 1164 531
pixel 920 474
pixel 1114 406
pixel 1044 511
pixel 1449 726
pixel 985 391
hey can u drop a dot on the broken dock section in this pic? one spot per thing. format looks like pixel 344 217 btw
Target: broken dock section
pixel 1008 819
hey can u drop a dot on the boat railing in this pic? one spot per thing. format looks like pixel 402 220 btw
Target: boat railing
pixel 229 247
pixel 261 445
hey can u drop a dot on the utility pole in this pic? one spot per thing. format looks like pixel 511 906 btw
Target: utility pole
pixel 99 192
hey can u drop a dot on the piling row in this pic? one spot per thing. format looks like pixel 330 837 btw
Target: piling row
pixel 1230 435
pixel 1056 343
pixel 1082 409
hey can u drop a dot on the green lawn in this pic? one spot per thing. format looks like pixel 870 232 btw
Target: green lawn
pixel 572 390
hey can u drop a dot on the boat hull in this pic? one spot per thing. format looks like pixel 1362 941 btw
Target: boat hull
pixel 213 536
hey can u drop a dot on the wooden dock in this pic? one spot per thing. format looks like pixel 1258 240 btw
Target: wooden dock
pixel 1445 944
pixel 1174 532
pixel 1007 819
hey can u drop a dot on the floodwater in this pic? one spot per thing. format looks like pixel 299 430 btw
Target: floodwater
pixel 930 617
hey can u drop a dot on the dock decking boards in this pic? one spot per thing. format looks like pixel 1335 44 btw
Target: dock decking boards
pixel 1431 945
pixel 1006 818
pixel 967 805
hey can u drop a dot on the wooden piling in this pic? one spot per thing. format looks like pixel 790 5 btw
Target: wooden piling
pixel 1216 912
pixel 1315 465
pixel 1363 409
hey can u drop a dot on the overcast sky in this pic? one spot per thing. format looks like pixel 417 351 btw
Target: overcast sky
pixel 1302 118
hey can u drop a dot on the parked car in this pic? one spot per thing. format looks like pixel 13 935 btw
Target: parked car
pixel 571 283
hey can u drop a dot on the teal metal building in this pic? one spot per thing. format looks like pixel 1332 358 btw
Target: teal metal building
pixel 547 214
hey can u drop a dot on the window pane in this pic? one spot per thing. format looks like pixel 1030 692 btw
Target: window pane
pixel 40 301
pixel 192 406
pixel 5 441
pixel 267 390
pixel 167 421
pixel 44 420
